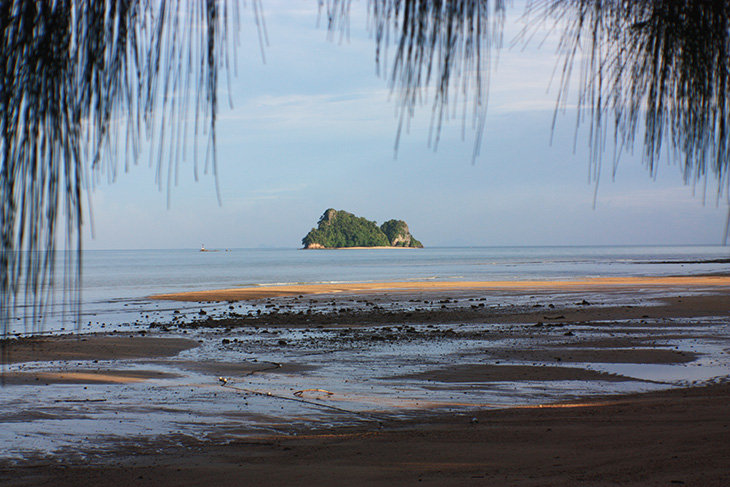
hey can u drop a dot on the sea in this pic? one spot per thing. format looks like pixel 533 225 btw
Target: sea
pixel 115 284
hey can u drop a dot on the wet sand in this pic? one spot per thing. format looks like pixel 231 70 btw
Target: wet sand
pixel 93 347
pixel 670 437
pixel 664 439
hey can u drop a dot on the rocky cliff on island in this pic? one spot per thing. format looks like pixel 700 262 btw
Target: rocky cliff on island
pixel 340 229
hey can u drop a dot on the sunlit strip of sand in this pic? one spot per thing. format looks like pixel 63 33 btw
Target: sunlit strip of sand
pixel 261 292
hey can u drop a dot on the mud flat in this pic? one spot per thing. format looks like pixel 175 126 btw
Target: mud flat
pixel 594 384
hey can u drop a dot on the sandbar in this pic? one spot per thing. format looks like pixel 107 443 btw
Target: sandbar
pixel 262 292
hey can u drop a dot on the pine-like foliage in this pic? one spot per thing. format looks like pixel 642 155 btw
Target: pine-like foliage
pixel 82 81
pixel 655 70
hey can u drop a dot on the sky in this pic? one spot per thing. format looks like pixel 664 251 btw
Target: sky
pixel 314 127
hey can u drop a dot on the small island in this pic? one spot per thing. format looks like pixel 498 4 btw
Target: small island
pixel 340 229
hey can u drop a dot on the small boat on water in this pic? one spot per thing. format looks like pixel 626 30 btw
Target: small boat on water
pixel 203 249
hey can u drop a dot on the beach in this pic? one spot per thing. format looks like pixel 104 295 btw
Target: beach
pixel 620 381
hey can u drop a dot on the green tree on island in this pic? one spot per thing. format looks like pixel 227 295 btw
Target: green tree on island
pixel 339 229
pixel 398 234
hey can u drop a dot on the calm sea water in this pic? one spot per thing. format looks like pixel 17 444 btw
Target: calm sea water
pixel 116 283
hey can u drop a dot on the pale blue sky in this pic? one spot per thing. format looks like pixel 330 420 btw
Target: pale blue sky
pixel 315 128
